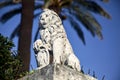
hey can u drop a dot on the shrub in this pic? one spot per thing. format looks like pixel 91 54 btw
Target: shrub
pixel 10 62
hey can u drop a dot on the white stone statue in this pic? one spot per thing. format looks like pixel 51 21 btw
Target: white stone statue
pixel 73 62
pixel 41 54
pixel 54 37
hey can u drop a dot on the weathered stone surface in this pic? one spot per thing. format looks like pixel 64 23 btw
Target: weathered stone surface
pixel 57 72
pixel 54 42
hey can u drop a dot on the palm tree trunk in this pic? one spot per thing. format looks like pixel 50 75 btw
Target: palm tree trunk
pixel 26 33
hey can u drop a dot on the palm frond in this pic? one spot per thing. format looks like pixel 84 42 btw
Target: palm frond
pixel 80 17
pixel 14 12
pixel 38 6
pixel 10 14
pixel 94 7
pixel 80 9
pixel 88 21
pixel 77 28
pixel 65 3
pixel 17 1
pixel 15 32
pixel 106 1
pixel 47 3
pixel 6 3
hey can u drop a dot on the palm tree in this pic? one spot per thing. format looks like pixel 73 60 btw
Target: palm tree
pixel 75 11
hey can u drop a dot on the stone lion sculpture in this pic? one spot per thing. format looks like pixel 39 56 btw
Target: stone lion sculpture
pixel 54 37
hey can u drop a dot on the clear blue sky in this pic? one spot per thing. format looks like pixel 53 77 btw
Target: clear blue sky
pixel 101 56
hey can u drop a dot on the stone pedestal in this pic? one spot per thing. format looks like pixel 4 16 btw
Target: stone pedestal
pixel 57 72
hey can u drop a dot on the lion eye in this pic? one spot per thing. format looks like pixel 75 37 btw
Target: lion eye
pixel 46 15
pixel 42 18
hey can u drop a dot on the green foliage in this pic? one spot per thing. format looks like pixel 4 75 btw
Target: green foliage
pixel 10 62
